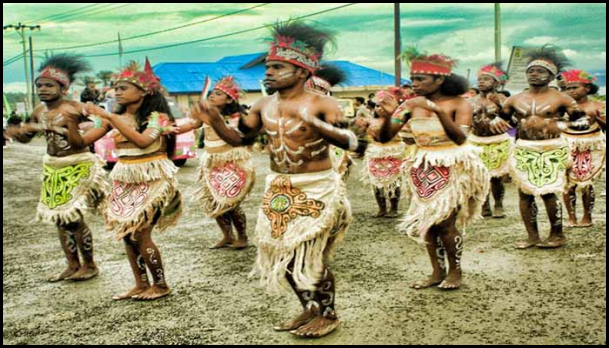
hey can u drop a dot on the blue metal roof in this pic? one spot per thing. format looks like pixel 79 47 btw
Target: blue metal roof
pixel 189 77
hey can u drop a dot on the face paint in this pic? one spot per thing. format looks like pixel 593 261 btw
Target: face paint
pixel 285 75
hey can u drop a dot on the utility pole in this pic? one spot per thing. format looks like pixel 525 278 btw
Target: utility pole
pixel 20 29
pixel 33 100
pixel 398 44
pixel 497 33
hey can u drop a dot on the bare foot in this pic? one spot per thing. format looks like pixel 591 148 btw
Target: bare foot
pixel 428 283
pixel 571 224
pixel 240 244
pixel 85 273
pixel 553 243
pixel 499 213
pixel 317 328
pixel 224 243
pixel 586 223
pixel 63 276
pixel 298 322
pixel 527 244
pixel 129 294
pixel 393 214
pixel 381 214
pixel 154 293
pixel 452 282
pixel 486 210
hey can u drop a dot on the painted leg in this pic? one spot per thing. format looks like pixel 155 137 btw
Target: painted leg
pixel 452 240
pixel 382 203
pixel 557 237
pixel 309 302
pixel 486 209
pixel 154 262
pixel 529 212
pixel 226 225
pixel 239 220
pixel 589 197
pixel 70 249
pixel 437 255
pixel 84 240
pixel 395 205
pixel 498 188
pixel 570 199
pixel 326 321
pixel 138 266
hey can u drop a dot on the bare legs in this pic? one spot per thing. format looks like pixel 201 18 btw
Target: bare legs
pixel 381 200
pixel 144 256
pixel 318 318
pixel 226 222
pixel 529 211
pixel 77 237
pixel 444 242
pixel 589 200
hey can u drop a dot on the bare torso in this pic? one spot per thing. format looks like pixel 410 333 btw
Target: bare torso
pixel 540 116
pixel 296 147
pixel 57 144
pixel 485 111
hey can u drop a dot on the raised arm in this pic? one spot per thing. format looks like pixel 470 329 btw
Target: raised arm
pixel 579 119
pixel 142 140
pixel 393 116
pixel 501 124
pixel 331 125
pixel 25 132
pixel 249 126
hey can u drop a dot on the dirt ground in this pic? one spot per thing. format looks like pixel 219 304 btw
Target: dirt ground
pixel 509 296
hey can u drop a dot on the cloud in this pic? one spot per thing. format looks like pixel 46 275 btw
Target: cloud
pixel 571 54
pixel 14 87
pixel 365 36
pixel 541 40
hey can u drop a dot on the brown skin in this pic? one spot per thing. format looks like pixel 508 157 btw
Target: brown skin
pixel 236 217
pixel 485 111
pixel 594 110
pixel 538 112
pixel 140 246
pixel 292 104
pixel 295 119
pixel 372 127
pixel 59 120
pixel 453 113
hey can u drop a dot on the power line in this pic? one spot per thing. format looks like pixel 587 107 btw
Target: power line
pixel 45 19
pixel 74 12
pixel 216 37
pixel 105 10
pixel 12 60
pixel 79 14
pixel 156 32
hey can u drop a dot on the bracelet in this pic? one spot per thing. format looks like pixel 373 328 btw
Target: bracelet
pixel 97 123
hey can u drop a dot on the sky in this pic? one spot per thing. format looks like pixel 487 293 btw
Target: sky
pixel 364 31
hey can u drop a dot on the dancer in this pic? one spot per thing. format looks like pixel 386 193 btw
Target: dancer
pixel 145 191
pixel 588 148
pixel 541 155
pixel 448 181
pixel 74 179
pixel 304 212
pixel 226 173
